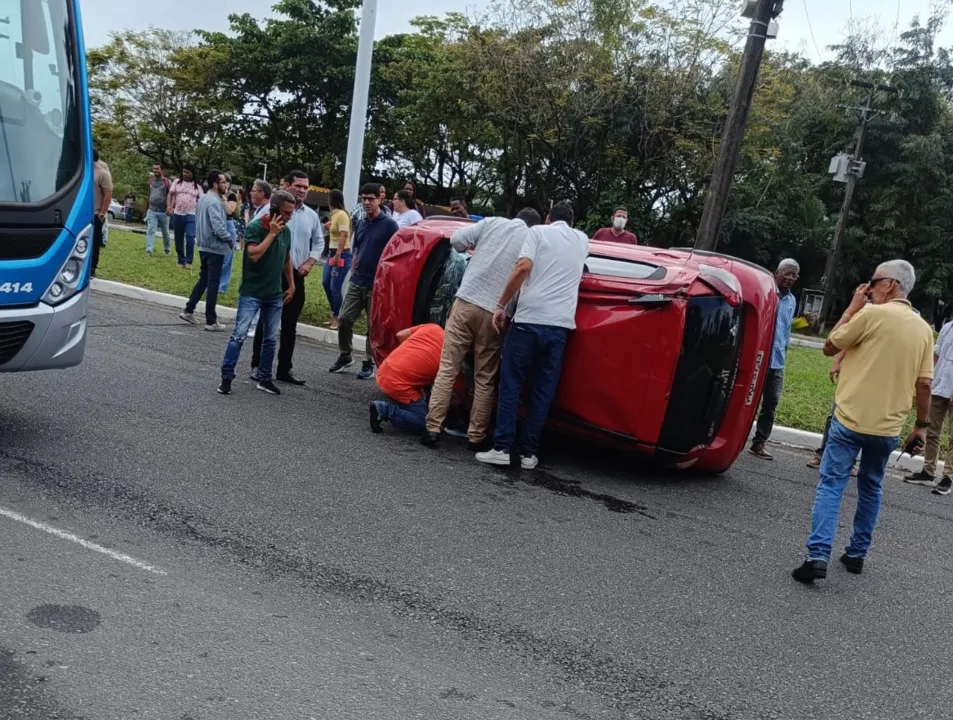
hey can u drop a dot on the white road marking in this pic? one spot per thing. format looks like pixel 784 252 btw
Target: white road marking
pixel 79 541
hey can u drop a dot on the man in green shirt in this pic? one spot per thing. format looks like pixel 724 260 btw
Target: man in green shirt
pixel 266 257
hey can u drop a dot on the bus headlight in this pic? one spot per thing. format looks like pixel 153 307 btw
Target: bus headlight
pixel 67 280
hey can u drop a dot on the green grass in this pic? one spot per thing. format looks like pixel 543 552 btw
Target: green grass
pixel 808 391
pixel 124 260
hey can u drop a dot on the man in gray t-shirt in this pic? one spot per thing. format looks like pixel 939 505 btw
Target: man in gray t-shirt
pixel 495 244
pixel 546 277
pixel 156 216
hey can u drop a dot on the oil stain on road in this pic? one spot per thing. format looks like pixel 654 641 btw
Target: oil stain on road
pixel 567 488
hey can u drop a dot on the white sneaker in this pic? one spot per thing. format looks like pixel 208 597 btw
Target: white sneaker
pixel 217 327
pixel 529 463
pixel 494 457
pixel 189 318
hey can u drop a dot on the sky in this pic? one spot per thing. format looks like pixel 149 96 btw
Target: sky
pixel 828 19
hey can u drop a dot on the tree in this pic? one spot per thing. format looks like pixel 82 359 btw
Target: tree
pixel 289 80
pixel 148 88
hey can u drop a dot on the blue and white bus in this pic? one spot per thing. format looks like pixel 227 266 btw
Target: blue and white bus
pixel 46 185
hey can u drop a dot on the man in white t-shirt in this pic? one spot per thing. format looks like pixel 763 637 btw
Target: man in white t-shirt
pixel 546 276
pixel 941 393
pixel 405 211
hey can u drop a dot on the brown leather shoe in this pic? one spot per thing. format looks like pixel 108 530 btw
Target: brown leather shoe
pixel 814 463
pixel 757 449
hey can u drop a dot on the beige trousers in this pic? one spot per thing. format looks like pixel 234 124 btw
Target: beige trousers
pixel 468 328
pixel 939 410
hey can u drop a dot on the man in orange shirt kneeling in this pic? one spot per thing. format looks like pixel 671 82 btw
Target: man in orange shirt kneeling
pixel 405 376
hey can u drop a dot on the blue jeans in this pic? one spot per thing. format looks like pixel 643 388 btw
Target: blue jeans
pixel 409 418
pixel 230 258
pixel 184 228
pixel 248 307
pixel 127 214
pixel 528 349
pixel 155 219
pixel 333 281
pixel 210 275
pixel 843 446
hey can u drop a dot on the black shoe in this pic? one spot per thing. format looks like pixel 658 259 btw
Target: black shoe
pixel 810 571
pixel 268 386
pixel 854 565
pixel 375 418
pixel 482 446
pixel 367 371
pixel 919 478
pixel 944 486
pixel 290 379
pixel 225 388
pixel 430 439
pixel 340 365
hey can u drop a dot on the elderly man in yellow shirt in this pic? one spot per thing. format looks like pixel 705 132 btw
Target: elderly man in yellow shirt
pixel 888 359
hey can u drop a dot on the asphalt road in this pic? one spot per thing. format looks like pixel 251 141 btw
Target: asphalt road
pixel 271 558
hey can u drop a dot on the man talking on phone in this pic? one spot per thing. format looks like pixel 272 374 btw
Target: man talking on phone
pixel 888 359
pixel 266 258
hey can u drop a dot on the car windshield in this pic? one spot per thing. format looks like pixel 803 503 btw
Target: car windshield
pixel 40 149
pixel 628 269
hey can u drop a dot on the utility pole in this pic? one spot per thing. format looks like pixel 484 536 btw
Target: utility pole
pixel 853 168
pixel 265 175
pixel 762 27
pixel 362 82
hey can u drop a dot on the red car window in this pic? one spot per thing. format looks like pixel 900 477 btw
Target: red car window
pixel 628 269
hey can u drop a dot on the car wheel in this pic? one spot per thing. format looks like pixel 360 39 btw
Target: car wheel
pixel 429 281
pixel 112 215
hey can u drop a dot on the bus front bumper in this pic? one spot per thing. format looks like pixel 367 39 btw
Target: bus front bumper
pixel 58 338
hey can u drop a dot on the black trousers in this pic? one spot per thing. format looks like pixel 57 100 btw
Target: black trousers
pixel 290 314
pixel 771 396
pixel 97 243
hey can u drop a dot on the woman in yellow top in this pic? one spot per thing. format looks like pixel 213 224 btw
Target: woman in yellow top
pixel 339 255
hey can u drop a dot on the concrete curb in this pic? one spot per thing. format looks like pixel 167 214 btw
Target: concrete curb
pixel 781 435
pixel 806 342
pixel 812 441
pixel 109 287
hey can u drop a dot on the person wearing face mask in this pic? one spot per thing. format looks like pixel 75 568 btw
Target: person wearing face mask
pixel 617 233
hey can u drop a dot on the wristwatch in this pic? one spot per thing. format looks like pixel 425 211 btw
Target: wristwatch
pixel 921 424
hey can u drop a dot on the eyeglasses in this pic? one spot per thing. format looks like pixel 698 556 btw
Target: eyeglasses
pixel 369 198
pixel 874 281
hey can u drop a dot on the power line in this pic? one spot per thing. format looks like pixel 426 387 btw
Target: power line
pixel 811 28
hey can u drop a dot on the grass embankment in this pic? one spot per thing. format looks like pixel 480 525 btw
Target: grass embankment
pixel 808 392
pixel 124 260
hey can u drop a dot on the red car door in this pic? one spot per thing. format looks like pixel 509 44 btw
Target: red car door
pixel 621 358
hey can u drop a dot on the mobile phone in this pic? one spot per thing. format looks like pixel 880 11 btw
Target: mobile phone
pixel 914 447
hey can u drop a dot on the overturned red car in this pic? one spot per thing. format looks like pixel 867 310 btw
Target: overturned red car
pixel 669 351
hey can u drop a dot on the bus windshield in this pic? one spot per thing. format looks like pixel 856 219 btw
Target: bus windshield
pixel 40 147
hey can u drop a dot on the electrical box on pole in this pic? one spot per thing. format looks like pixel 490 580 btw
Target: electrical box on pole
pixel 838 168
pixel 848 169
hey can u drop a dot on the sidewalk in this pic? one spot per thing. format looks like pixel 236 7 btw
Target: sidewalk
pixel 781 435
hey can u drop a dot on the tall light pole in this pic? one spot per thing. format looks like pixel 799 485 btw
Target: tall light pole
pixel 362 82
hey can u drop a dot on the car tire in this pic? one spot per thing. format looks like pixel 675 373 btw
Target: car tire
pixel 112 215
pixel 429 280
